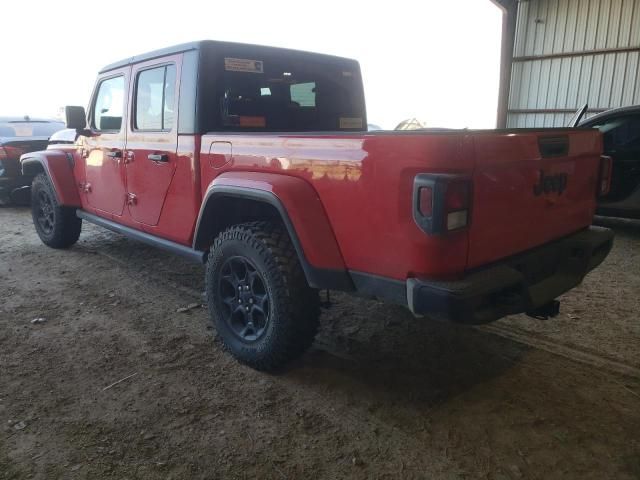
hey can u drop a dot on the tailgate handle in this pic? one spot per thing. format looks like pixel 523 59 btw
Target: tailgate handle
pixel 553 146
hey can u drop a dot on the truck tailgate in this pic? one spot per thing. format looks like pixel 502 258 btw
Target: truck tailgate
pixel 529 188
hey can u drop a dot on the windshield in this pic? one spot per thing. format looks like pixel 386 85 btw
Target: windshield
pixel 22 128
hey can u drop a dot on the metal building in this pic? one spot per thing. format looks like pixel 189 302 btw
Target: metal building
pixel 560 54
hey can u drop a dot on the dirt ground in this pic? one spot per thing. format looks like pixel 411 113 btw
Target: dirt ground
pixel 380 395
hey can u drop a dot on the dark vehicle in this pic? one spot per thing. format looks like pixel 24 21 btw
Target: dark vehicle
pixel 621 136
pixel 19 135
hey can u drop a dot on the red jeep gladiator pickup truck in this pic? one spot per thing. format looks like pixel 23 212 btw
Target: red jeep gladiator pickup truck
pixel 257 162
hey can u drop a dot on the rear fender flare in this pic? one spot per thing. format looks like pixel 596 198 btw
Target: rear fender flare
pixel 301 212
pixel 58 166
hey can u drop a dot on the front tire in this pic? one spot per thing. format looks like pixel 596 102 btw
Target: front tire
pixel 56 225
pixel 263 309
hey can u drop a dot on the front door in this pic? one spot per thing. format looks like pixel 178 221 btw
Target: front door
pixel 104 149
pixel 152 138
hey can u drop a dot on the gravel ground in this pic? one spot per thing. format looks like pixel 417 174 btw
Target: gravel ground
pixel 380 394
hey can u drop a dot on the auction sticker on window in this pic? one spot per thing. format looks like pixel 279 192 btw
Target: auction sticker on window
pixel 259 122
pixel 243 65
pixel 23 130
pixel 350 122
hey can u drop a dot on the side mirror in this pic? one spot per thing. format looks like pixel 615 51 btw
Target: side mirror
pixel 76 118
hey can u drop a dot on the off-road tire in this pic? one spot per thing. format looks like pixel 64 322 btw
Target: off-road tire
pixel 293 307
pixel 62 227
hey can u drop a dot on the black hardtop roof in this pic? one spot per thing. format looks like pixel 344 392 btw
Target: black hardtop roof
pixel 210 44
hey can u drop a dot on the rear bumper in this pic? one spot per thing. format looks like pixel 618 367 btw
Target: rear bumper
pixel 518 284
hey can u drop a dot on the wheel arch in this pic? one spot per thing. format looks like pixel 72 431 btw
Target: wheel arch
pixel 58 166
pixel 236 198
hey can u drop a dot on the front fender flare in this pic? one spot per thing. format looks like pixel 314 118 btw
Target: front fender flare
pixel 57 165
pixel 301 212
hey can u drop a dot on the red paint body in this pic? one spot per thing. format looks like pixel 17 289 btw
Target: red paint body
pixel 348 195
pixel 61 171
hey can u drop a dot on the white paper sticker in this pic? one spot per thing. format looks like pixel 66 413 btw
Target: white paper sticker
pixel 23 130
pixel 243 65
pixel 350 122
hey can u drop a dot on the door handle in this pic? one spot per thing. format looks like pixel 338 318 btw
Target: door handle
pixel 158 157
pixel 114 154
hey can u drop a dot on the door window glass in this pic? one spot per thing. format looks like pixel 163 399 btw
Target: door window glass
pixel 155 98
pixel 108 106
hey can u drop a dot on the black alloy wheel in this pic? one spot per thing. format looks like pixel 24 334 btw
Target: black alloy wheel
pixel 244 299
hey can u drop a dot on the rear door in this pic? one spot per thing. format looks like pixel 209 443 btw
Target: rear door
pixel 152 139
pixel 531 187
pixel 104 149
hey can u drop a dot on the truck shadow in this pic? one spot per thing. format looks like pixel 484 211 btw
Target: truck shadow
pixel 367 349
pixel 382 353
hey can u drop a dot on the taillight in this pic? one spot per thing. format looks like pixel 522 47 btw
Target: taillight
pixel 10 153
pixel 441 202
pixel 425 201
pixel 457 204
pixel 604 178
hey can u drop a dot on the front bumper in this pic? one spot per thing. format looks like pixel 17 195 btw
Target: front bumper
pixel 518 284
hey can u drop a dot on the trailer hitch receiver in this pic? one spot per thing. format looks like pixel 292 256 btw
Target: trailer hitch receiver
pixel 546 311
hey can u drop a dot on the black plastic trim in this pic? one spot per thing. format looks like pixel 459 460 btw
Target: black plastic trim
pixel 190 253
pixel 316 277
pixel 556 146
pixel 30 161
pixel 518 284
pixel 383 288
pixel 509 286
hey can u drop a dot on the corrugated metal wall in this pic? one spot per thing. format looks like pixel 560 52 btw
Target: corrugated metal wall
pixel 571 52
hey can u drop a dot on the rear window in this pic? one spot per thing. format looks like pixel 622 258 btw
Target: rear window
pixel 23 128
pixel 281 94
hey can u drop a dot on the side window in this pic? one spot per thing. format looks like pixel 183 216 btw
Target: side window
pixel 108 105
pixel 155 98
pixel 304 94
pixel 622 134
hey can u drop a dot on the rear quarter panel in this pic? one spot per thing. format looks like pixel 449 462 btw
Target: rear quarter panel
pixel 364 183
